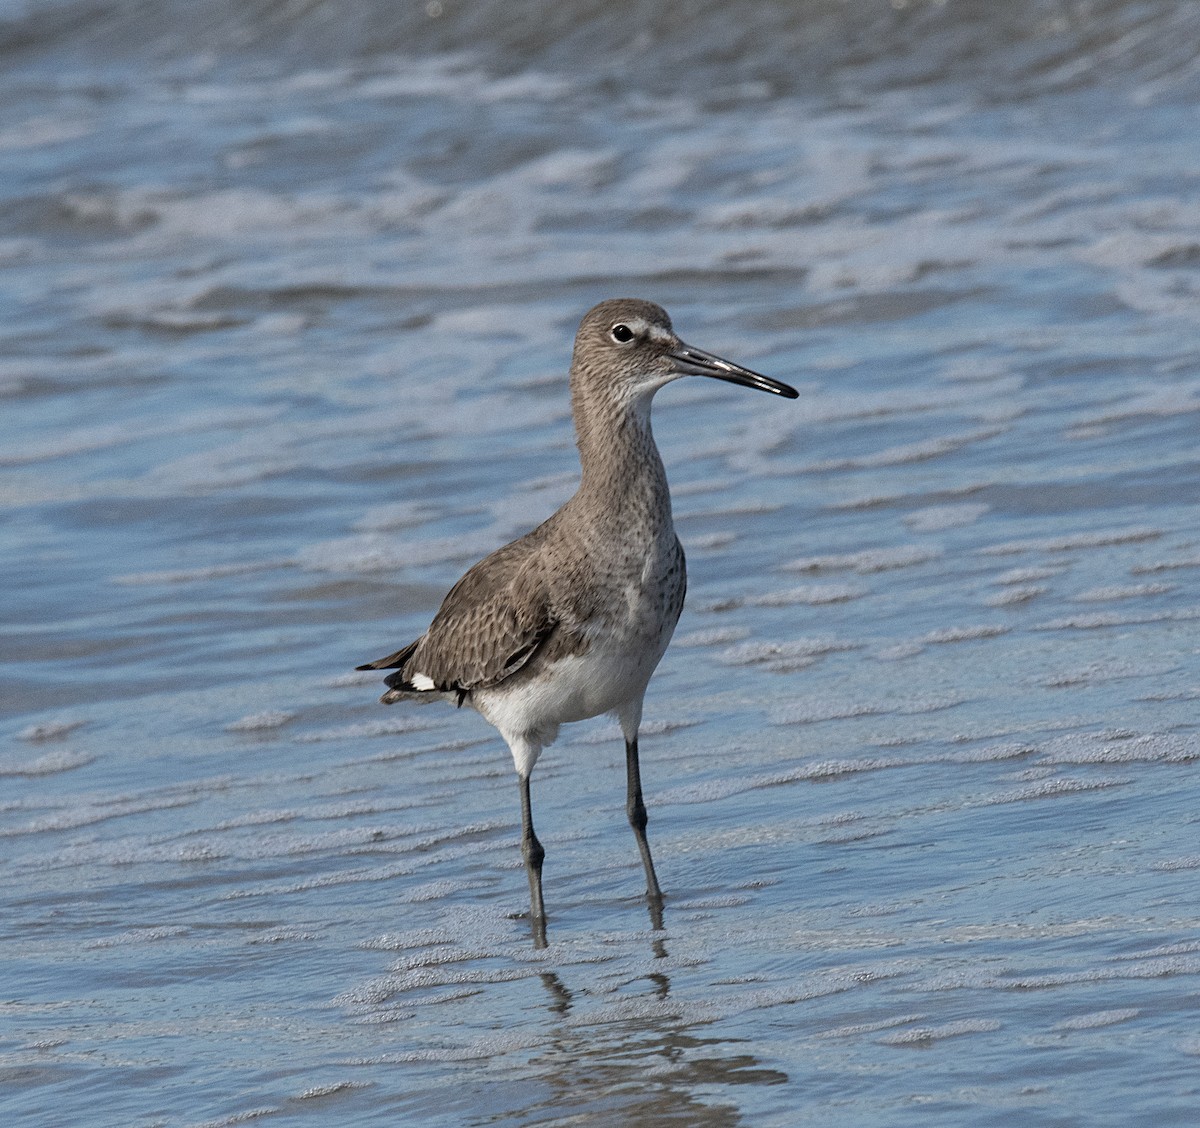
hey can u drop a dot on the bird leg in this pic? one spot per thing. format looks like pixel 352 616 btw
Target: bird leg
pixel 635 808
pixel 532 852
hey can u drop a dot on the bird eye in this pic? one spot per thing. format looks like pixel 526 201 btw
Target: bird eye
pixel 621 333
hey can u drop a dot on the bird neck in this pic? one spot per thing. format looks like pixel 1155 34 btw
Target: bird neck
pixel 623 475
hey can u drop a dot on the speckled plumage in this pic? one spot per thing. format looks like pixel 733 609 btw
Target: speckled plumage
pixel 570 620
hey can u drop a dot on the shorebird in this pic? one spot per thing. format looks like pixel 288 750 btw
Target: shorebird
pixel 570 620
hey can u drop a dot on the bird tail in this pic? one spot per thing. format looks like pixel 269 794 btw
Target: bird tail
pixel 400 685
pixel 392 661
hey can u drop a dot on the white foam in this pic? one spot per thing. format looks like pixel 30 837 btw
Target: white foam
pixel 824 709
pixel 774 654
pixel 1164 402
pixel 260 1112
pixel 1015 596
pixel 1120 748
pixel 857 1029
pixel 1100 619
pixel 1170 865
pixel 49 764
pixel 1117 591
pixel 1181 948
pixel 85 813
pixel 13 251
pixel 990 754
pixel 66 442
pixel 898 651
pixel 145 935
pixel 373 552
pixel 1097 539
pixel 710 790
pixel 608 731
pixel 813 712
pixel 357 677
pixel 257 722
pixel 1097 672
pixel 198 575
pixel 1049 789
pixel 939 517
pixel 405 941
pixel 50 730
pixel 709 542
pixel 1098 1019
pixel 1017 576
pixel 924 1035
pixel 225 213
pixel 768 211
pixel 713 636
pixel 1166 565
pixel 316 1092
pixel 1140 969
pixel 1190 694
pixel 392 726
pixel 906 453
pixel 868 560
pixel 731 509
pixel 966 634
pixel 813 595
pixel 701 486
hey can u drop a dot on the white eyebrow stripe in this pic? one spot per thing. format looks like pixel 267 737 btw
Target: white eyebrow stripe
pixel 658 333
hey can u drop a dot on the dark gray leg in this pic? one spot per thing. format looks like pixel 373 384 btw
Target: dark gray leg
pixel 635 808
pixel 532 852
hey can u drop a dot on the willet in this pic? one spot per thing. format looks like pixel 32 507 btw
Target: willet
pixel 570 621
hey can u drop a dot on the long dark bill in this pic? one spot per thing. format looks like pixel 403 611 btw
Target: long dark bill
pixel 697 362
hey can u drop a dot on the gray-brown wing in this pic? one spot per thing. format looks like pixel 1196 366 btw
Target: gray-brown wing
pixel 489 626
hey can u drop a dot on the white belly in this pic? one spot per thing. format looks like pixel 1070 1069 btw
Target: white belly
pixel 606 679
pixel 624 645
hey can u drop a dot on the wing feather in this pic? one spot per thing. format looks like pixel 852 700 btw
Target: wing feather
pixel 490 625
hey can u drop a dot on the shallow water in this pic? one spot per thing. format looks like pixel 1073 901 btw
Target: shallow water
pixel 288 307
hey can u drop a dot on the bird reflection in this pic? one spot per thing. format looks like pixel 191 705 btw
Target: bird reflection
pixel 641 1071
pixel 561 999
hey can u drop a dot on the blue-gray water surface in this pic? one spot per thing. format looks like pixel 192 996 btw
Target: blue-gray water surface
pixel 288 294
